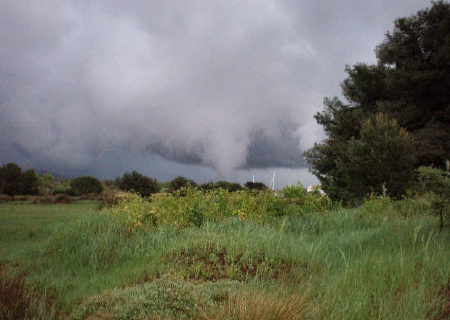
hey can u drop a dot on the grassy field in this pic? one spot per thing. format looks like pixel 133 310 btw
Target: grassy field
pixel 383 260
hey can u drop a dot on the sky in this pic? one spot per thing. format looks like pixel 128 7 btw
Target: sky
pixel 209 90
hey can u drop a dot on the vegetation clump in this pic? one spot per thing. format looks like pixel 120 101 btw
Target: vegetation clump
pixel 209 262
pixel 136 182
pixel 86 185
pixel 436 183
pixel 192 207
pixel 15 182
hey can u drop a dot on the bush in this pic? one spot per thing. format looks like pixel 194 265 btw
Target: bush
pixel 136 182
pixel 308 201
pixel 255 185
pixel 132 209
pixel 437 183
pixel 382 158
pixel 63 198
pixel 181 182
pixel 85 185
pixel 45 200
pixel 31 182
pixel 11 179
pixel 294 192
pixel 64 190
pixel 191 207
pixel 229 186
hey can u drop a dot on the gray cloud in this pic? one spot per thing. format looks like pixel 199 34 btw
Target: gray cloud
pixel 227 85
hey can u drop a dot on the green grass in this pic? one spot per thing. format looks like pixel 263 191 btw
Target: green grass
pixel 383 260
pixel 24 227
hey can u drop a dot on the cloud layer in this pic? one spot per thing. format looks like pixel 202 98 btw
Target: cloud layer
pixel 224 84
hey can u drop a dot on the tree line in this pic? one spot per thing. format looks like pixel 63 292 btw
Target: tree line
pixel 15 181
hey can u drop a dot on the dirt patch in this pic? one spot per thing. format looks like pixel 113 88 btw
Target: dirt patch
pixel 211 263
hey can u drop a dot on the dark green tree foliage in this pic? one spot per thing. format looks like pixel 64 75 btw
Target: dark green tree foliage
pixel 255 185
pixel 382 156
pixel 31 182
pixel 410 83
pixel 229 186
pixel 437 182
pixel 85 185
pixel 416 57
pixel 136 182
pixel 13 183
pixel 226 185
pixel 181 182
pixel 2 181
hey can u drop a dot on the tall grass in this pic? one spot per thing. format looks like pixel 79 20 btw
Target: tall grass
pixel 382 260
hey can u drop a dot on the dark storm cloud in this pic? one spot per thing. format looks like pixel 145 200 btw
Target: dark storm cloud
pixel 223 84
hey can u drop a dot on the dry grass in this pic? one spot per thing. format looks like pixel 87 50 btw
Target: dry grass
pixel 261 305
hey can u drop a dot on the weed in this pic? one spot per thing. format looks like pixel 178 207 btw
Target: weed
pixel 211 263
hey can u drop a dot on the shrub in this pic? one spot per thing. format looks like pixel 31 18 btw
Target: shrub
pixel 191 207
pixel 64 190
pixel 255 185
pixel 46 200
pixel 31 182
pixel 47 184
pixel 229 186
pixel 136 182
pixel 181 182
pixel 132 209
pixel 437 183
pixel 6 198
pixel 383 157
pixel 294 192
pixel 85 185
pixel 11 179
pixel 63 198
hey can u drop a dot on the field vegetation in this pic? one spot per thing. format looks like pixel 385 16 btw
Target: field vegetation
pixel 384 259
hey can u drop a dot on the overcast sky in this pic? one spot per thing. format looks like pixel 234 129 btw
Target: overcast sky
pixel 205 89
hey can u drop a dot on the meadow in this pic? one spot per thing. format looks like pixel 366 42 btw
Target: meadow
pixel 221 257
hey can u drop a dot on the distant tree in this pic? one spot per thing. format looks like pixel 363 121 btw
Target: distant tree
pixel 12 179
pixel 2 181
pixel 47 184
pixel 109 183
pixel 410 83
pixel 137 182
pixel 164 186
pixel 85 185
pixel 31 182
pixel 181 182
pixel 230 186
pixel 255 185
pixel 48 178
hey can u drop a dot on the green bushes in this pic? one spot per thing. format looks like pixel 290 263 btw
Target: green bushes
pixel 85 185
pixel 191 207
pixel 13 181
pixel 307 201
pixel 64 190
pixel 226 185
pixel 136 182
pixel 436 183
